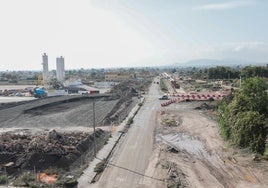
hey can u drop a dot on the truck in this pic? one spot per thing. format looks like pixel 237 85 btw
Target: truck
pixel 39 92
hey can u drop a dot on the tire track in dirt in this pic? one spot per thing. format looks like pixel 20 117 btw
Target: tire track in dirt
pixel 215 164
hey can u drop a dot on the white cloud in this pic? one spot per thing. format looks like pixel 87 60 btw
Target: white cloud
pixel 223 6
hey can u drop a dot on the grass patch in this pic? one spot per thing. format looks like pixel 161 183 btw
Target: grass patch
pixel 130 121
pixel 265 154
pixel 163 85
pixel 67 181
pixel 26 179
pixel 3 179
pixel 100 167
pixel 170 122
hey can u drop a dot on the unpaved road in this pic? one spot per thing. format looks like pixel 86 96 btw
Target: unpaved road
pixel 202 158
pixel 127 167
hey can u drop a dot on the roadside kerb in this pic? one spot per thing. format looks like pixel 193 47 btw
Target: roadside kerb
pixel 88 174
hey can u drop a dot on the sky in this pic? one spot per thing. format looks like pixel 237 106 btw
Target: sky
pixel 130 33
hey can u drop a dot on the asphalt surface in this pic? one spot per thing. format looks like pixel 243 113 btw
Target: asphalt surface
pixel 129 162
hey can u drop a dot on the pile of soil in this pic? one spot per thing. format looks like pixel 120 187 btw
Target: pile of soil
pixel 176 178
pixel 127 95
pixel 60 150
pixel 68 111
pixel 205 106
pixel 125 89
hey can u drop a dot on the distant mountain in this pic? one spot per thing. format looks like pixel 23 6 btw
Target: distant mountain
pixel 216 62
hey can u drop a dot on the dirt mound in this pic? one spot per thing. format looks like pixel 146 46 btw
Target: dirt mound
pixel 68 111
pixel 125 89
pixel 205 106
pixel 60 112
pixel 42 151
pixel 58 106
pixel 176 178
pixel 11 104
pixel 126 93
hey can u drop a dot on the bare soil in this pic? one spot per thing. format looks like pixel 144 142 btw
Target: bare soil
pixel 56 132
pixel 47 149
pixel 193 154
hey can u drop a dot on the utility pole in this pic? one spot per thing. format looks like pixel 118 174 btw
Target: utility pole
pixel 94 125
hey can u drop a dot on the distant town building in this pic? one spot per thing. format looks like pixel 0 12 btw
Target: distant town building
pixel 118 76
pixel 45 68
pixel 60 68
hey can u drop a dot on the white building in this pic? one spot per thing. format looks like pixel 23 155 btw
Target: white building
pixel 45 68
pixel 60 68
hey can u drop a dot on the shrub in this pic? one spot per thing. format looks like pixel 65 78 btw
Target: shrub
pixel 3 179
pixel 100 167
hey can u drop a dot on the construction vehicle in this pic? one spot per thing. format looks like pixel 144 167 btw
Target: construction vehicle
pixel 39 92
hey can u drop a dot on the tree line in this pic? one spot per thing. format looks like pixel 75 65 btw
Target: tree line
pixel 243 116
pixel 221 72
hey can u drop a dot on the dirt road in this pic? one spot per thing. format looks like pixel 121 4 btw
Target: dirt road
pixel 190 154
pixel 127 167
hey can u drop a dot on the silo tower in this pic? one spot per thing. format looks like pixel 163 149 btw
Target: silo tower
pixel 60 68
pixel 45 68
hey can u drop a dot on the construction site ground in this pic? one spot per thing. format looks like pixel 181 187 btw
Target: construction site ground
pixel 191 153
pixel 172 146
pixel 57 132
pixel 55 112
pixel 179 145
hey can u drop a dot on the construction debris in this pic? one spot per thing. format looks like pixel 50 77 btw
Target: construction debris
pixel 205 106
pixel 176 178
pixel 45 150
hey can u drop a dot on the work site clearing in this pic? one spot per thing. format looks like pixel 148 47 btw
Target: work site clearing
pixel 50 141
pixel 54 136
pixel 190 152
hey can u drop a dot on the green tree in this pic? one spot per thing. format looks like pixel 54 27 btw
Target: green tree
pixel 243 116
pixel 249 131
pixel 221 72
pixel 253 71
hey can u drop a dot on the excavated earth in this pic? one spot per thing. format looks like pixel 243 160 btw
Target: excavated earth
pixel 194 154
pixel 57 132
pixel 56 112
pixel 45 150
